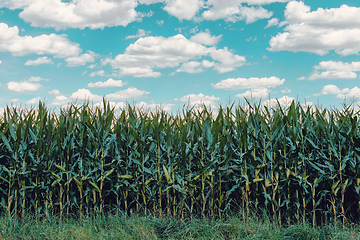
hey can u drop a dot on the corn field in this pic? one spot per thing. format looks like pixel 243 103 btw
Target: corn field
pixel 295 164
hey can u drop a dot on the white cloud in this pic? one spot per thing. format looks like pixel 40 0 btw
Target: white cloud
pixel 0 62
pixel 199 99
pixel 39 61
pixel 335 70
pixel 244 83
pixel 338 66
pixel 195 67
pixel 227 61
pixel 81 60
pixel 353 93
pixel 24 86
pixel 205 38
pixel 85 95
pixel 233 11
pixel 307 105
pixel 78 13
pixel 31 85
pixel 109 83
pixel 272 22
pixel 97 73
pixel 262 2
pixel 319 31
pixel 100 105
pixel 284 101
pixel 107 13
pixel 54 92
pixel 60 100
pixel 332 75
pixel 33 101
pixel 139 34
pixel 53 44
pixel 139 72
pixel 331 89
pixel 254 93
pixel 181 9
pixel 130 93
pixel 340 93
pixel 154 106
pixel 141 57
pixel 14 4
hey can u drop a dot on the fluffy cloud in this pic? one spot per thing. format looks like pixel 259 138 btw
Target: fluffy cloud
pixel 141 57
pixel 39 61
pixel 227 61
pixel 54 92
pixel 233 11
pixel 85 95
pixel 244 83
pixel 24 86
pixel 109 83
pixel 333 75
pixel 60 100
pixel 262 2
pixel 130 93
pixel 340 93
pixel 353 93
pixel 31 85
pixel 33 101
pixel 78 13
pixel 319 31
pixel 205 38
pixel 199 99
pixel 338 66
pixel 0 62
pixel 331 89
pixel 143 71
pixel 53 44
pixel 284 101
pixel 182 9
pixel 81 60
pixel 195 67
pixel 107 13
pixel 272 22
pixel 254 93
pixel 335 70
pixel 14 4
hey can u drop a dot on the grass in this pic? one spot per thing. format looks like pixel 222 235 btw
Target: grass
pixel 138 227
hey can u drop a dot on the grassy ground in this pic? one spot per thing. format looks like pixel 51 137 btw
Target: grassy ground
pixel 120 227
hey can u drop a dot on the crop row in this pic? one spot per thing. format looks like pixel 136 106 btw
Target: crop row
pixel 295 164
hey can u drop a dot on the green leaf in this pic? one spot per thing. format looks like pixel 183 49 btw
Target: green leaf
pixel 126 176
pixel 95 186
pixel 60 167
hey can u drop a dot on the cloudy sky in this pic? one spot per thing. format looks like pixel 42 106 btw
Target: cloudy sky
pixel 174 52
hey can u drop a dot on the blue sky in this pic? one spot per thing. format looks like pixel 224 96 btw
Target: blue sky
pixel 174 52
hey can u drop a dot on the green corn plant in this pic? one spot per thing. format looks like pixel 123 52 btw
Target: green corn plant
pixel 289 161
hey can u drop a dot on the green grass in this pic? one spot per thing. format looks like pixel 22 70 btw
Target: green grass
pixel 138 227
